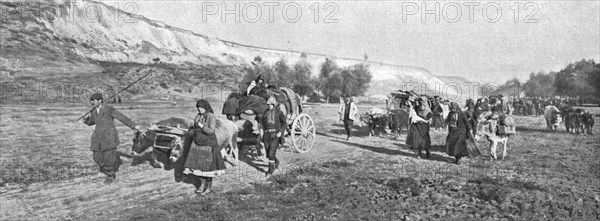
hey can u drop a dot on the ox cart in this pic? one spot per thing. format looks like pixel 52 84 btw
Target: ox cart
pixel 168 136
pixel 301 130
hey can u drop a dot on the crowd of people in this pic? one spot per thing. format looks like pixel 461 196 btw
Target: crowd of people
pixel 204 159
pixel 434 113
pixel 535 105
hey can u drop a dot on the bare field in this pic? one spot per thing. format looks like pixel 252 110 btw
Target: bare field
pixel 48 173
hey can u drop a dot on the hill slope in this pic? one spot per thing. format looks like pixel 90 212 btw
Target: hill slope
pixel 54 38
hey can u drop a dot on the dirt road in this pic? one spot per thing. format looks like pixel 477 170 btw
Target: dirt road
pixel 559 160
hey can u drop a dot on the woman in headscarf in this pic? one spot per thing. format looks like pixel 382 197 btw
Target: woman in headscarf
pixel 204 159
pixel 458 132
pixel 470 113
pixel 438 119
pixel 418 135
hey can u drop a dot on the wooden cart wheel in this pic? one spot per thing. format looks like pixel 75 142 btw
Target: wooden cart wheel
pixel 303 133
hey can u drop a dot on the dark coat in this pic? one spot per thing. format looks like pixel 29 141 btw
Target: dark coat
pixel 438 119
pixel 456 144
pixel 418 135
pixel 230 106
pixel 278 122
pixel 105 136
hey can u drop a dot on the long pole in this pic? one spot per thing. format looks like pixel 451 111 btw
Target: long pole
pixel 104 101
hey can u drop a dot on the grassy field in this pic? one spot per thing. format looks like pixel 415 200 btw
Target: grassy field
pixel 48 173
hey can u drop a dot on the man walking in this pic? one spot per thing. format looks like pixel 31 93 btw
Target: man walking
pixel 274 124
pixel 347 112
pixel 105 138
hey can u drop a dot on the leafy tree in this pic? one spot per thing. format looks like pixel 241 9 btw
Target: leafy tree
pixel 332 87
pixel 349 82
pixel 283 73
pixel 326 68
pixel 593 78
pixel 301 78
pixel 363 79
pixel 511 88
pixel 540 85
pixel 572 81
pixel 332 81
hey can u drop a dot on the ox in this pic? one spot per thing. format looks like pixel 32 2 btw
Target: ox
pixel 398 116
pixel 574 120
pixel 588 122
pixel 399 119
pixel 553 118
pixel 376 117
pixel 226 133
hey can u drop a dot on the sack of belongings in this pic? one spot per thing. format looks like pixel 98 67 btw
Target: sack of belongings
pixel 252 105
pixel 280 97
pixel 203 139
pixel 230 106
pixel 506 126
pixel 506 130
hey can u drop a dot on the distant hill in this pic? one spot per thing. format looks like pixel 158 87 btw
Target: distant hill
pixel 466 86
pixel 41 44
pixel 454 80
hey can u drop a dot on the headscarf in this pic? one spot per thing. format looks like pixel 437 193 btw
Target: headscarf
pixel 454 106
pixel 205 105
pixel 454 114
pixel 424 110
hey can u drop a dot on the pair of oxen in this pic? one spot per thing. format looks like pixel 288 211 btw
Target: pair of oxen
pixel 576 120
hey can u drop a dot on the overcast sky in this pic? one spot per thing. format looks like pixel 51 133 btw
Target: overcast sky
pixel 479 46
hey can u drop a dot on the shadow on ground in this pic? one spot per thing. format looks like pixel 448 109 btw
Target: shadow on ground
pixel 398 152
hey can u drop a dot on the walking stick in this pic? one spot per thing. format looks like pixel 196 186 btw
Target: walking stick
pixel 104 101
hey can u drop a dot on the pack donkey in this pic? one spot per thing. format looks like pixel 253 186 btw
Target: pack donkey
pixel 487 128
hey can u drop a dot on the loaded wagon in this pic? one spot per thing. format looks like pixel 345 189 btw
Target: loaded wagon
pixel 301 131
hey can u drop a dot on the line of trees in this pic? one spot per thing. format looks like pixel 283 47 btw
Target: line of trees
pixel 331 83
pixel 335 81
pixel 577 80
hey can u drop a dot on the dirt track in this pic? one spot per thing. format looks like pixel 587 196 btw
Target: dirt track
pixel 558 160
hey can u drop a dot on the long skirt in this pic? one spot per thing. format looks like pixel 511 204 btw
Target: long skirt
pixel 418 136
pixel 204 161
pixel 456 143
pixel 437 121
